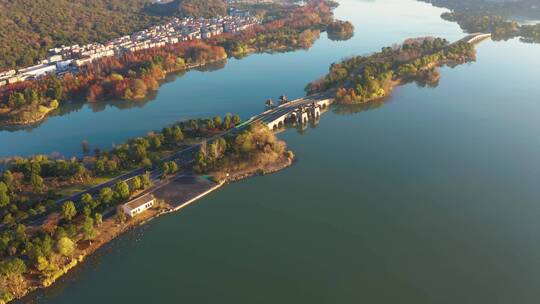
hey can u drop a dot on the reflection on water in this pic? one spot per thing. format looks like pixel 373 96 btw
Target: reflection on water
pixel 73 106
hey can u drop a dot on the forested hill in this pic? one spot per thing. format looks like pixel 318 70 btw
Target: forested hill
pixel 28 28
pixel 507 8
pixel 191 8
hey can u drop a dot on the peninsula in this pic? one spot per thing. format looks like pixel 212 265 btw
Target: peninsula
pixel 363 79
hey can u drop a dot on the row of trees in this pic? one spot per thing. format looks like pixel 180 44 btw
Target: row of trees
pixel 361 79
pixel 29 185
pixel 129 77
pixel 47 250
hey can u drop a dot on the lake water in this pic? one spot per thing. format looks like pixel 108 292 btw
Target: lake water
pixel 430 197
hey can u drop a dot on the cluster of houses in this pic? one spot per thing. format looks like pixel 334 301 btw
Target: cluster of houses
pixel 66 59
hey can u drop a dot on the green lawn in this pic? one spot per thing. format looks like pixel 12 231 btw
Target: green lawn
pixel 69 191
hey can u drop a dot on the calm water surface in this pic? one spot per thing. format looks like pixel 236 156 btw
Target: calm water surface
pixel 431 197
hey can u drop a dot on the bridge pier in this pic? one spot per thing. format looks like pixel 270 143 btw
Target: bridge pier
pixel 302 117
pixel 300 114
pixel 315 112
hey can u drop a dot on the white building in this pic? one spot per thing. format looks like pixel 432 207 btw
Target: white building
pixel 38 70
pixel 139 205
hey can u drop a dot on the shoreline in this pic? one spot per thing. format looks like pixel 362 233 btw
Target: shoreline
pixel 401 81
pixel 188 67
pixel 45 115
pixel 111 229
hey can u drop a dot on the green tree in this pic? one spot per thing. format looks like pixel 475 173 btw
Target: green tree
pixel 65 246
pixel 7 178
pixel 122 188
pixel 173 167
pixel 217 121
pixel 146 163
pixel 42 263
pixel 98 219
pixel 4 197
pixel 121 216
pixel 155 142
pixel 106 195
pixel 20 233
pixel 87 199
pixel 68 210
pixel 13 265
pixel 136 183
pixel 88 229
pixel 87 210
pixel 37 182
pixel 227 121
pixel 165 168
pixel 146 180
pixel 236 120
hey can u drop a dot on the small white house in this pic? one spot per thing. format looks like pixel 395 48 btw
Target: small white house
pixel 139 205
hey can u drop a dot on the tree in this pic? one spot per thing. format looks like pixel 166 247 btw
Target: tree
pixel 236 120
pixel 37 182
pixel 106 195
pixel 155 142
pixel 177 134
pixel 217 121
pixel 169 167
pixel 121 215
pixel 88 228
pixel 87 210
pixel 122 189
pixel 136 183
pixel 146 180
pixel 227 121
pixel 98 219
pixel 173 167
pixel 7 178
pixel 65 246
pixel 20 233
pixel 146 163
pixel 68 210
pixel 14 265
pixel 42 263
pixel 4 197
pixel 165 168
pixel 88 200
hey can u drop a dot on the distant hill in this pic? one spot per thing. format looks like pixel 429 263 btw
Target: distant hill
pixel 190 8
pixel 28 28
pixel 507 8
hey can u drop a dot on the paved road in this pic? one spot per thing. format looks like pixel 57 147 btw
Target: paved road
pixel 184 157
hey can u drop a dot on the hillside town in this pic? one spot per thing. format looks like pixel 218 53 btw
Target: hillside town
pixel 69 59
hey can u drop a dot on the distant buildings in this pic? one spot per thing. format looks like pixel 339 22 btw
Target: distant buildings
pixel 70 58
